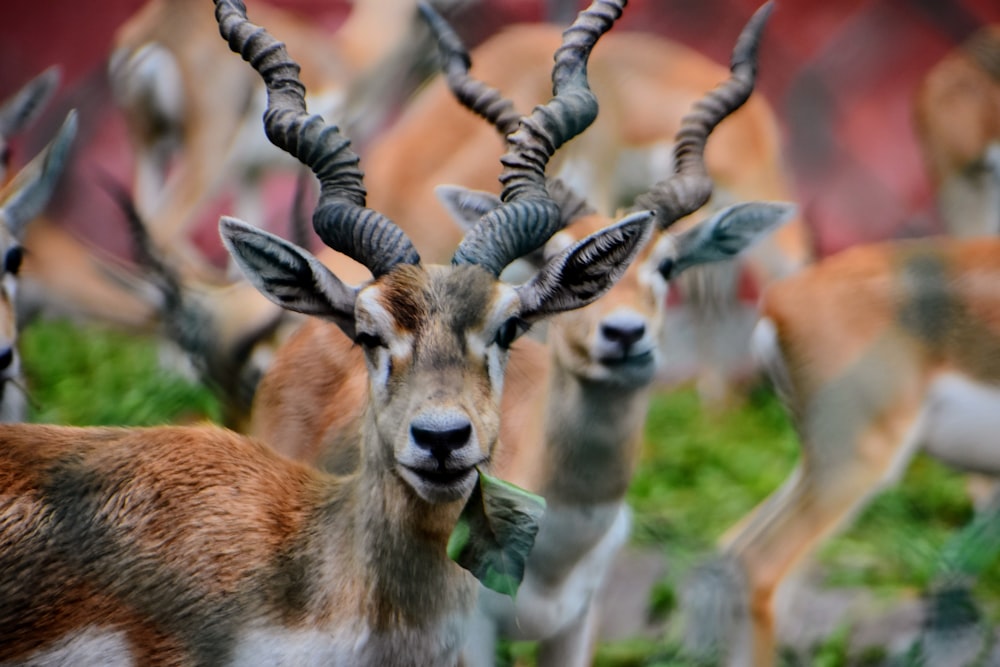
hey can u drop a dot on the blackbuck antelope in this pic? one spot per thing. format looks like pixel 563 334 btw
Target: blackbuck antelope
pixel 21 201
pixel 192 114
pixel 957 120
pixel 572 413
pixel 198 546
pixel 877 352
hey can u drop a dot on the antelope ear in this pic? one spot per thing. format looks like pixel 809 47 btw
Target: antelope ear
pixel 25 105
pixel 727 233
pixel 586 270
pixel 24 198
pixel 288 275
pixel 466 206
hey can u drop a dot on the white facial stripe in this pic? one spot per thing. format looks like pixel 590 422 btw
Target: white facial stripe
pixel 371 315
pixel 559 242
pixel 481 346
pixel 504 306
pixel 373 318
pixel 649 275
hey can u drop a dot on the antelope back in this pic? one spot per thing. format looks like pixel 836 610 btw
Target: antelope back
pixel 138 550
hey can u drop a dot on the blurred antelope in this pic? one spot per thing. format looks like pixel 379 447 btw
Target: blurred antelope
pixel 877 352
pixel 192 114
pixel 61 275
pixel 195 545
pixel 572 414
pixel 21 200
pixel 957 119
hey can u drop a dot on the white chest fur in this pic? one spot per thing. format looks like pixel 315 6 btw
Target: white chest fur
pixel 350 647
pixel 581 544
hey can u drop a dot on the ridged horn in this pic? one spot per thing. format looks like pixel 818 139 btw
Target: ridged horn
pixel 341 219
pixel 481 99
pixel 529 216
pixel 690 186
pixel 490 104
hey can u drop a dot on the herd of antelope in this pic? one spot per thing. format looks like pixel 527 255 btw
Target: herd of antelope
pixel 431 422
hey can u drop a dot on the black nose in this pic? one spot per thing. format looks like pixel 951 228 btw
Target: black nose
pixel 6 358
pixel 623 331
pixel 441 436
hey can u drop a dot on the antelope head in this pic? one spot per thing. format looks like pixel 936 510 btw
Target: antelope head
pixel 616 339
pixel 435 338
pixel 21 201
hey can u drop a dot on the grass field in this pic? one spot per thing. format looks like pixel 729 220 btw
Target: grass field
pixel 701 471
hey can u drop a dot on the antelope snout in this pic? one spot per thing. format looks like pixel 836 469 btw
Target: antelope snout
pixel 623 330
pixel 443 451
pixel 441 434
pixel 621 336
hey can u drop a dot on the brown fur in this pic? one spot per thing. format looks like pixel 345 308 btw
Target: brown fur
pixel 181 536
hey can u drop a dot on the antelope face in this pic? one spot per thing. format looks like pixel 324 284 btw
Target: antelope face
pixel 615 338
pixel 21 200
pixel 11 254
pixel 435 340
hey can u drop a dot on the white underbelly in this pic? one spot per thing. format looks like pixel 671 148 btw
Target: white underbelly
pixel 351 647
pixel 962 425
pixel 90 647
pixel 275 646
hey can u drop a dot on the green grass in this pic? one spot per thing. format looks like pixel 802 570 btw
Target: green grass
pixel 701 471
pixel 92 376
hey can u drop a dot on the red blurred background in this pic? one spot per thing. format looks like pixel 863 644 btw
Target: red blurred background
pixel 841 76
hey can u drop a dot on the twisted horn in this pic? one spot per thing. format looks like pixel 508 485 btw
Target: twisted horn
pixel 529 216
pixel 481 99
pixel 689 187
pixel 490 104
pixel 340 218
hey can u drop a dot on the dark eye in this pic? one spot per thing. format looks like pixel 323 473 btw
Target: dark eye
pixel 369 341
pixel 509 331
pixel 12 260
pixel 5 156
pixel 666 268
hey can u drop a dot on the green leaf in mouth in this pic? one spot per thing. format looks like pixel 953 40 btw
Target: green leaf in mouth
pixel 496 532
